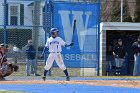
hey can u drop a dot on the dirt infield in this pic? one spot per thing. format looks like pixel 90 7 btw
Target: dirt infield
pixel 114 83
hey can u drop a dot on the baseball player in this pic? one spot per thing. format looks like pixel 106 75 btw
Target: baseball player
pixel 6 68
pixel 136 52
pixel 3 51
pixel 53 45
pixel 119 56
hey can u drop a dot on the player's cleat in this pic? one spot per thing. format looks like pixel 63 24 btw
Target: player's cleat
pixel 28 75
pixel 44 78
pixel 2 78
pixel 67 78
pixel 37 75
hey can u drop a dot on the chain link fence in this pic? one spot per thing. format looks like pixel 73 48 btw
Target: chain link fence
pixel 24 21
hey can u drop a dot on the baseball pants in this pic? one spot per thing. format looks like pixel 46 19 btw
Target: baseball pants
pixel 55 57
pixel 119 62
pixel 136 71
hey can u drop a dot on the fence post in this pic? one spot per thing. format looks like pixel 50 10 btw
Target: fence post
pixel 36 23
pixel 98 10
pixel 5 1
pixel 48 23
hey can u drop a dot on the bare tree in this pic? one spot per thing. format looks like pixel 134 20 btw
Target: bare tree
pixel 137 11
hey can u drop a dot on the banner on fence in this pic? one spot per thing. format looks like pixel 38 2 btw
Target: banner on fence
pixel 84 53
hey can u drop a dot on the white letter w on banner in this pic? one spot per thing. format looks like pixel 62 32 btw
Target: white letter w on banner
pixel 81 25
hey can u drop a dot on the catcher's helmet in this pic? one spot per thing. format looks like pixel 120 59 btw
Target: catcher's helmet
pixel 2 44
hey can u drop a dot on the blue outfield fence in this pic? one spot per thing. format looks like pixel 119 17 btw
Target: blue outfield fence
pixel 85 52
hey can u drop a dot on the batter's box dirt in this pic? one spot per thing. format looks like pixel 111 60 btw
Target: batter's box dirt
pixel 114 83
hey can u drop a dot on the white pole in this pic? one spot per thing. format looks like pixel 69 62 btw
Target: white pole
pixel 121 10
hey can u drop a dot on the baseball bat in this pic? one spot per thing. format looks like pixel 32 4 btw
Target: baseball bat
pixel 74 27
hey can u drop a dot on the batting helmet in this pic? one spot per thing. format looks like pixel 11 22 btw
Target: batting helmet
pixel 54 30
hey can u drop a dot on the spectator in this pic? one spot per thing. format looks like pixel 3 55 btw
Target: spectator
pixel 119 56
pixel 136 52
pixel 31 58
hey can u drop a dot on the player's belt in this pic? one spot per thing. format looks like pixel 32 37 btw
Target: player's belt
pixel 54 52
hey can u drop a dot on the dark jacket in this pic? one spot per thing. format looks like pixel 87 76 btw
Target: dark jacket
pixel 31 52
pixel 119 50
pixel 136 47
pixel 3 59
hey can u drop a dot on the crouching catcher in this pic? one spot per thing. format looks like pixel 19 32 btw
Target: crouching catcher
pixel 7 69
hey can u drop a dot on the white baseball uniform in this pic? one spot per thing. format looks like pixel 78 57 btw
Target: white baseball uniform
pixel 54 45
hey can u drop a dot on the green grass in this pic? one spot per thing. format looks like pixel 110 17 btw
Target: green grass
pixel 56 72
